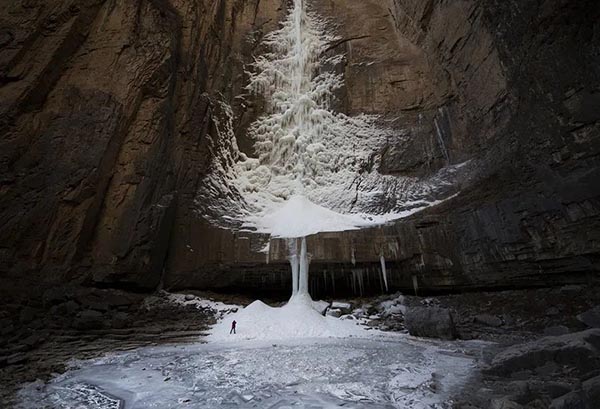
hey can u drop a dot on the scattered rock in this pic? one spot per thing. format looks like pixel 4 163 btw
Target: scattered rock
pixel 591 390
pixel 321 306
pixel 504 403
pixel 88 319
pixel 430 322
pixel 591 318
pixel 56 295
pixel 71 307
pixel 7 329
pixel 4 323
pixel 580 351
pixel 120 320
pixel 345 308
pixel 189 297
pixel 489 320
pixel 17 358
pixel 34 339
pixel 556 330
pixel 556 389
pixel 27 315
pixel 334 313
pixel 572 400
pixel 68 308
pixel 508 320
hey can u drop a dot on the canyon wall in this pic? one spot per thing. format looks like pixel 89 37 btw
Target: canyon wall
pixel 112 111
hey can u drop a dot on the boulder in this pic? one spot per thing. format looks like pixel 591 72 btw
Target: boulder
pixel 572 400
pixel 68 308
pixel 430 322
pixel 489 320
pixel 504 403
pixel 7 329
pixel 591 318
pixel 17 358
pixel 334 312
pixel 591 390
pixel 56 295
pixel 27 315
pixel 88 319
pixel 556 330
pixel 120 320
pixel 189 297
pixel 580 351
pixel 344 307
pixel 588 397
pixel 320 306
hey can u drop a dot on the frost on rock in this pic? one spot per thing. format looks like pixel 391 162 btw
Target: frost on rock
pixel 305 149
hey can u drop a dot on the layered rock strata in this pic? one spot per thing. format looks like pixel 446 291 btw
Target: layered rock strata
pixel 112 113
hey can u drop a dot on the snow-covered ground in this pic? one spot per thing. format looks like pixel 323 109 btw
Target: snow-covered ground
pixel 280 358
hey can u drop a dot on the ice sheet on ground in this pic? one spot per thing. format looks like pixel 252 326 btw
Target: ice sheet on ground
pixel 310 373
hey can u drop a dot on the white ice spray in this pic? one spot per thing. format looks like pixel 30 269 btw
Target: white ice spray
pixel 303 148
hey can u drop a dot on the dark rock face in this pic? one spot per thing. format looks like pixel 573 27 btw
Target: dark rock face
pixel 108 123
pixel 111 114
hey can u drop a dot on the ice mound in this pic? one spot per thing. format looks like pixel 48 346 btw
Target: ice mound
pixel 297 319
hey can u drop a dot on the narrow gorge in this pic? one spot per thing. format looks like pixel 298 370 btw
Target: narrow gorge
pixel 427 168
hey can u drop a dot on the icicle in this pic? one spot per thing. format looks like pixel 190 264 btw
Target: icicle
pixel 384 272
pixel 441 139
pixel 353 257
pixel 415 284
pixel 360 281
pixel 268 252
pixel 332 281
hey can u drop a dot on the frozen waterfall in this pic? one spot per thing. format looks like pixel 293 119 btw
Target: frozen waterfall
pixel 311 169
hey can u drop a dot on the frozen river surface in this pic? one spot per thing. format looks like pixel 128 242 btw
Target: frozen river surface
pixel 376 372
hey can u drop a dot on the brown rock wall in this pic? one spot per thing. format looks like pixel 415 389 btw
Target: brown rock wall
pixel 111 112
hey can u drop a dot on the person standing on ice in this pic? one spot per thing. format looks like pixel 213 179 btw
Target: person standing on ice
pixel 232 327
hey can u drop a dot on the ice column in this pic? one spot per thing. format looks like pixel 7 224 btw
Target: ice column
pixel 303 263
pixel 294 263
pixel 299 261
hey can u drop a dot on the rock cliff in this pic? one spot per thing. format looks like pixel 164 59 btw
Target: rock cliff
pixel 111 113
